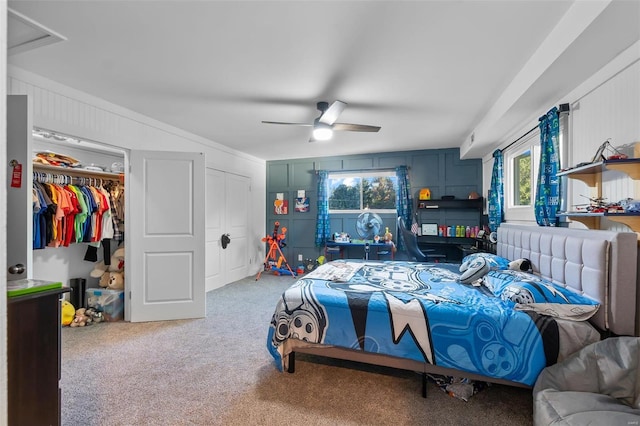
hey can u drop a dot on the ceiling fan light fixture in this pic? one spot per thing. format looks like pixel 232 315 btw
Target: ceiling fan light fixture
pixel 322 132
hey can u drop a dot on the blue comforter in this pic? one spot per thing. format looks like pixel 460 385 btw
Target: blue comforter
pixel 416 311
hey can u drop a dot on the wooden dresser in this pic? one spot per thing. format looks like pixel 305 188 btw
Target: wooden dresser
pixel 33 358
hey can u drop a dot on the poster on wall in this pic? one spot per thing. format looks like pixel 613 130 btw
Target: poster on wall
pixel 280 205
pixel 302 204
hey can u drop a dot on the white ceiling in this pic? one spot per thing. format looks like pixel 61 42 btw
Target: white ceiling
pixel 430 73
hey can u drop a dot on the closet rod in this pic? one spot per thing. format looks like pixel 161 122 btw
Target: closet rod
pixel 59 178
pixel 77 173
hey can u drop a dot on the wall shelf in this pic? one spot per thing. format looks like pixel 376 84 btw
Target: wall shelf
pixel 462 211
pixel 475 204
pixel 591 174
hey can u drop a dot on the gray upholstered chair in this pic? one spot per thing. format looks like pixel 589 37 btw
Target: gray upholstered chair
pixel 600 384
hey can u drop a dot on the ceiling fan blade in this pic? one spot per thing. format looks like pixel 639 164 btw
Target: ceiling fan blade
pixel 333 112
pixel 355 127
pixel 288 124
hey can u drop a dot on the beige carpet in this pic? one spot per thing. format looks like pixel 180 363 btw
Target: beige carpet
pixel 217 371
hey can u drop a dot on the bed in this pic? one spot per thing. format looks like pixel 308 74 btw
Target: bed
pixel 419 317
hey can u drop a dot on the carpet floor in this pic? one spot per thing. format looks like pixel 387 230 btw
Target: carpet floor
pixel 217 371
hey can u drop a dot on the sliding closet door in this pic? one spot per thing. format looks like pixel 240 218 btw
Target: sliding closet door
pixel 227 212
pixel 166 235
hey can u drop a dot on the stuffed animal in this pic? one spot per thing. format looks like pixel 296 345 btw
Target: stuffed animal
pixel 96 316
pixel 111 276
pixel 81 319
pixel 522 265
pixel 68 312
pixel 115 281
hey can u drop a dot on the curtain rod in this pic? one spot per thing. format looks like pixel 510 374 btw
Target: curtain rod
pixel 520 138
pixel 562 109
pixel 373 169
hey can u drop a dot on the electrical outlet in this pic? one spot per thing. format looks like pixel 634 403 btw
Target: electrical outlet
pixel 299 258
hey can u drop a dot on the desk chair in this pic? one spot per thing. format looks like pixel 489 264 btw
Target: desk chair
pixel 411 244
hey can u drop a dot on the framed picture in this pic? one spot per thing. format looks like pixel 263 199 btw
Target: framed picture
pixel 421 205
pixel 302 204
pixel 429 229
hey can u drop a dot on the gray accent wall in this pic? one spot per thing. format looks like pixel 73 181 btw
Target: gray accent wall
pixel 440 170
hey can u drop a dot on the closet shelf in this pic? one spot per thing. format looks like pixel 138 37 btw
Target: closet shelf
pixel 77 172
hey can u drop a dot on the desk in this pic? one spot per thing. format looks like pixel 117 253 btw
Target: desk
pixel 449 247
pixel 380 249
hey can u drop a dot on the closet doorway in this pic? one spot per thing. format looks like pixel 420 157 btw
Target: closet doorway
pixel 165 252
pixel 227 212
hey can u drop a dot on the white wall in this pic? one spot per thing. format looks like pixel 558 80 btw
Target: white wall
pixel 66 110
pixel 607 105
pixel 610 111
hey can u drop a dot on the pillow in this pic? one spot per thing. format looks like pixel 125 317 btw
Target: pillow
pixel 494 261
pixel 473 270
pixel 533 293
pixel 476 265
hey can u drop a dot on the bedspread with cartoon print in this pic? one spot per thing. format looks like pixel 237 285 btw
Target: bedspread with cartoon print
pixel 416 311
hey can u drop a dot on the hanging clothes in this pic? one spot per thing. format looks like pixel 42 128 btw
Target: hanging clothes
pixel 69 213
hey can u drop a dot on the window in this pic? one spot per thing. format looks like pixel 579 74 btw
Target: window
pixel 354 192
pixel 522 179
pixel 521 163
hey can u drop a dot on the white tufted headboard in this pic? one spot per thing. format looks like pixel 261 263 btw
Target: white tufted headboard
pixel 600 264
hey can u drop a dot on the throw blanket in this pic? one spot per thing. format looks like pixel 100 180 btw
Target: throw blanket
pixel 416 311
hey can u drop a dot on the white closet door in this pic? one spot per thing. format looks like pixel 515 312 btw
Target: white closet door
pixel 215 225
pixel 19 200
pixel 227 213
pixel 166 235
pixel 237 213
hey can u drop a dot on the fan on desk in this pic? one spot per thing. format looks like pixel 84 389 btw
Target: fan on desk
pixel 368 225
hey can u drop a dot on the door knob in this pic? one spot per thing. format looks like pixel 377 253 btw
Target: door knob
pixel 17 269
pixel 225 240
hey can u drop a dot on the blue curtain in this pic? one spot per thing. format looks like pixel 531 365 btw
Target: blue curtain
pixel 323 225
pixel 404 200
pixel 548 188
pixel 496 193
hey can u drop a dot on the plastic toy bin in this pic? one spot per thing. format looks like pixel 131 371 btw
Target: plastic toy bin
pixel 109 302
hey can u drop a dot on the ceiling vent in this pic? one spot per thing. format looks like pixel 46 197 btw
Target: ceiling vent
pixel 26 34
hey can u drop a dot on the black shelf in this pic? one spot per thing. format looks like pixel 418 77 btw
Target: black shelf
pixel 474 204
pixel 434 239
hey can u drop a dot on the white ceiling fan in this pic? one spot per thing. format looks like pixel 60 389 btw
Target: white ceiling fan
pixel 325 124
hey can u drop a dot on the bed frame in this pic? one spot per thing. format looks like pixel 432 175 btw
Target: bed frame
pixel 600 264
